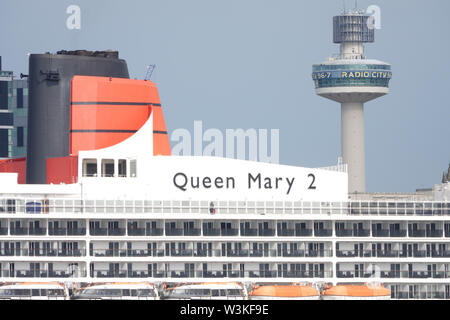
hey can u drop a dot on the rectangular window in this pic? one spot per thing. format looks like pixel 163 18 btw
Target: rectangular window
pixel 133 168
pixel 20 140
pixel 122 168
pixel 4 95
pixel 6 119
pixel 19 98
pixel 107 168
pixel 89 167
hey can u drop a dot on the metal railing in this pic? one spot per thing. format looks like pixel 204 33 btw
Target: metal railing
pixel 42 252
pixel 182 273
pixel 392 254
pixel 395 274
pixel 380 208
pixel 27 273
pixel 237 253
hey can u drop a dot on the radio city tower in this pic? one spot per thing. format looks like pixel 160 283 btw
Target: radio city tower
pixel 352 80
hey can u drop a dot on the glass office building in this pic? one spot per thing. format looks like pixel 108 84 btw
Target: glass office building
pixel 13 115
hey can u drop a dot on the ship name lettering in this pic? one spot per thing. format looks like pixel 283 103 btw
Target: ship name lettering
pixel 268 182
pixel 183 182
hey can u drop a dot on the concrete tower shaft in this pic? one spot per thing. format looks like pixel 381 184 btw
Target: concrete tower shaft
pixel 352 80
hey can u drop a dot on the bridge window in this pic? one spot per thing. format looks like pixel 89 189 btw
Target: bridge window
pixel 122 168
pixel 107 168
pixel 89 167
pixel 133 168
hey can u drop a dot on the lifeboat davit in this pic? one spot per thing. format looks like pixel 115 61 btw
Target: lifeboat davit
pixel 356 292
pixel 283 292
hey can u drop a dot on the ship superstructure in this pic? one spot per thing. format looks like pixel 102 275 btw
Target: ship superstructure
pixel 118 207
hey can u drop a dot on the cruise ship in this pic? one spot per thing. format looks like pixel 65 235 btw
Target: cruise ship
pixel 100 199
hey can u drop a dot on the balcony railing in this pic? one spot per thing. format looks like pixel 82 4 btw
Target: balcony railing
pixel 303 232
pixel 182 273
pixel 323 233
pixel 154 232
pixel 380 233
pixel 398 233
pixel 420 295
pixel 377 208
pixel 286 232
pixel 43 252
pixel 434 233
pixel 107 232
pixel 393 253
pixel 395 274
pixel 26 273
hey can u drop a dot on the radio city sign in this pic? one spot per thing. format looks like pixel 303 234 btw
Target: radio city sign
pixel 352 74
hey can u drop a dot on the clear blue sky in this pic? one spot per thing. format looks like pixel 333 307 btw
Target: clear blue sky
pixel 247 64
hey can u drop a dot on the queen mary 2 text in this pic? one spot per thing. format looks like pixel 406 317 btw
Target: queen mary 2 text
pixel 185 182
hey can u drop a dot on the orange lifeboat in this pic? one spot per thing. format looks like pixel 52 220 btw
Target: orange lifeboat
pixel 356 292
pixel 283 292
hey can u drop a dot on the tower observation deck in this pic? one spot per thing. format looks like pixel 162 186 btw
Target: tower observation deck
pixel 352 80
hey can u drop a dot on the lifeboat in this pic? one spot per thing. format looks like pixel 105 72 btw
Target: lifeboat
pixel 284 292
pixel 117 291
pixel 33 291
pixel 356 292
pixel 206 291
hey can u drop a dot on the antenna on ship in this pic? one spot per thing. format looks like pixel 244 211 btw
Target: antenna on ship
pixel 150 69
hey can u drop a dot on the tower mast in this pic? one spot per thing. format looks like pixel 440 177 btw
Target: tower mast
pixel 352 80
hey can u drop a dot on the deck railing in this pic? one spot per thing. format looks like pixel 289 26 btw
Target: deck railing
pixel 353 208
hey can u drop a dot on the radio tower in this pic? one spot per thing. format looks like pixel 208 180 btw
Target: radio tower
pixel 352 80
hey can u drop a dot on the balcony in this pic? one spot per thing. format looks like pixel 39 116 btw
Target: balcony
pixel 42 274
pixel 266 232
pixel 116 232
pixel 154 232
pixel 37 231
pixel 380 233
pixel 211 232
pixel 249 232
pixel 323 233
pixel 174 232
pixel 192 232
pixel 344 233
pixel 237 253
pixel 303 232
pixel 434 233
pixel 361 233
pixel 76 232
pixel 98 232
pixel 57 231
pixel 398 233
pixel 136 231
pixel 110 274
pixel 182 253
pixel 3 231
pixel 293 253
pixel 346 253
pixel 229 232
pixel 417 233
pixel 19 231
pixel 286 232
